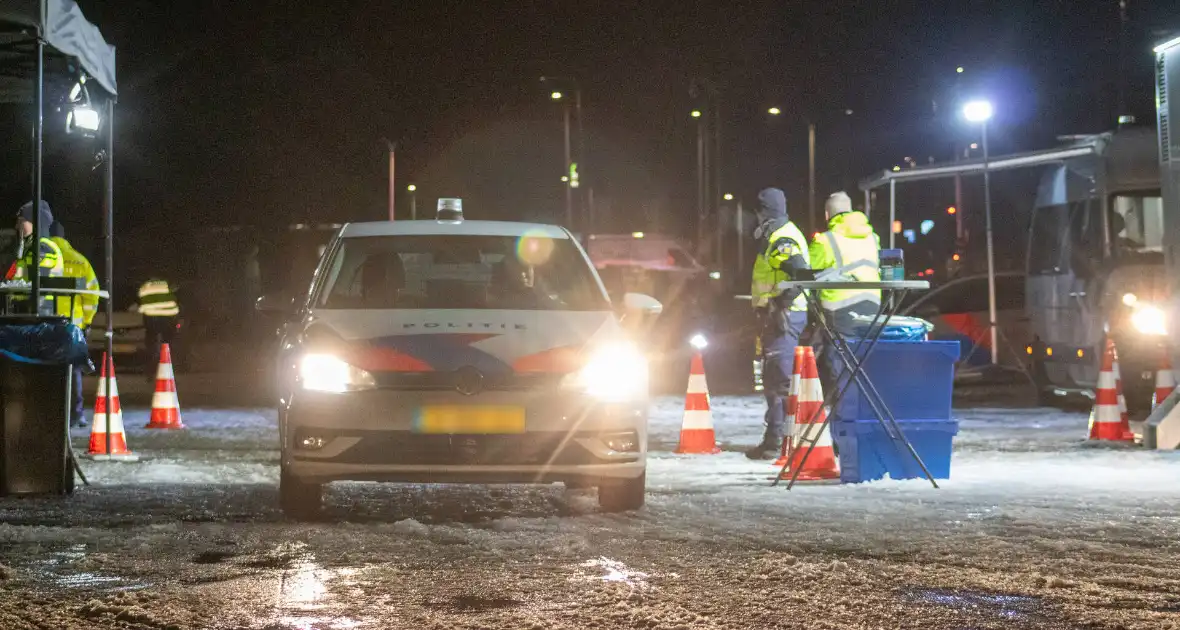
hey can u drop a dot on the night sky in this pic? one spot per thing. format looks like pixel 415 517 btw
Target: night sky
pixel 276 112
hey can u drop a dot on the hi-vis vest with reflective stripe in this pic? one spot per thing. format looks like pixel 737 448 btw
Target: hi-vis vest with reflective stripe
pixel 80 309
pixel 51 260
pixel 156 300
pixel 856 259
pixel 767 275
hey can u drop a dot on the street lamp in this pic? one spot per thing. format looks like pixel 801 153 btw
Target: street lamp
pixel 696 113
pixel 558 95
pixel 774 111
pixel 413 201
pixel 728 196
pixel 981 112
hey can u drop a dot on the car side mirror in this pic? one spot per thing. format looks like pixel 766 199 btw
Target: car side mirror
pixel 275 305
pixel 639 306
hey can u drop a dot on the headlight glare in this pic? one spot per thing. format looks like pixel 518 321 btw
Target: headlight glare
pixel 616 372
pixel 326 373
pixel 1149 320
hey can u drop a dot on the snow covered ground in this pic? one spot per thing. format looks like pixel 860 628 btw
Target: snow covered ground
pixel 1035 529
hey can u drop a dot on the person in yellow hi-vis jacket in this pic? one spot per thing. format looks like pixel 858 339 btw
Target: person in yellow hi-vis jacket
pixel 51 260
pixel 782 316
pixel 848 251
pixel 81 310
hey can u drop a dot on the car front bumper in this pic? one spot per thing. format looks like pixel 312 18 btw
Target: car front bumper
pixel 375 436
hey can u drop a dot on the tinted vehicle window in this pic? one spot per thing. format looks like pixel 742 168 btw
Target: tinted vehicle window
pixel 968 296
pixel 460 272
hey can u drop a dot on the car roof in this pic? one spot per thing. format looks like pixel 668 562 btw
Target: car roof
pixel 464 228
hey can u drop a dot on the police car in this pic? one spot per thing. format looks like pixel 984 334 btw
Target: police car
pixel 460 351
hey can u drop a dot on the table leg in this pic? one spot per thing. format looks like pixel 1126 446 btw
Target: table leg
pixel 856 369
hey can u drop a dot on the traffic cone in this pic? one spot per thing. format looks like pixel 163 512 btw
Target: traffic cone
pixel 811 426
pixel 165 405
pixel 1165 381
pixel 791 410
pixel 1108 419
pixel 696 431
pixel 98 432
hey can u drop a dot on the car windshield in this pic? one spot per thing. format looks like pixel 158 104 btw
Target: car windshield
pixel 460 272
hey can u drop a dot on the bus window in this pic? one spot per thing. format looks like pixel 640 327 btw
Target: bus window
pixel 1137 224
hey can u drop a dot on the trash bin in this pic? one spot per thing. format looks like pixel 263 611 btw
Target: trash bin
pixel 37 355
pixel 916 381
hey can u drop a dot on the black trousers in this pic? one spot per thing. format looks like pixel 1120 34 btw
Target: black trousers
pixel 157 331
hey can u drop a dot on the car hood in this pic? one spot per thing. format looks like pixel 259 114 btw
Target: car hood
pixel 446 340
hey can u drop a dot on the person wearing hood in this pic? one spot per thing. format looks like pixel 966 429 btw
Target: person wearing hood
pixel 51 262
pixel 848 251
pixel 782 317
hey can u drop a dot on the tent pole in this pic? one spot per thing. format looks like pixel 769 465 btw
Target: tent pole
pixel 109 256
pixel 38 128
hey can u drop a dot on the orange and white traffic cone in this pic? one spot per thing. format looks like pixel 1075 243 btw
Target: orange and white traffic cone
pixel 100 448
pixel 1108 419
pixel 696 431
pixel 791 410
pixel 812 426
pixel 1165 381
pixel 165 405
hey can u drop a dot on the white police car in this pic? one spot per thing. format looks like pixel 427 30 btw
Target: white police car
pixel 460 351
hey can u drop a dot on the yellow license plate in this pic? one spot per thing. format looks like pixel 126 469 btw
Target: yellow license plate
pixel 470 419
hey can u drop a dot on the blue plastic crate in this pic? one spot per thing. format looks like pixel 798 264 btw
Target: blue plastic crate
pixel 867 452
pixel 915 378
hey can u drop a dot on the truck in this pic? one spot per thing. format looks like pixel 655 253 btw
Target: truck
pixel 1094 263
pixel 1095 267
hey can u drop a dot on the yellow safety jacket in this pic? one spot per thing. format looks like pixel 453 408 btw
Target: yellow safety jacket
pixel 82 309
pixel 851 251
pixel 156 299
pixel 783 243
pixel 52 265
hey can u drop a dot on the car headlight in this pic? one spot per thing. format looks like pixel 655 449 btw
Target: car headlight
pixel 614 373
pixel 326 373
pixel 1149 320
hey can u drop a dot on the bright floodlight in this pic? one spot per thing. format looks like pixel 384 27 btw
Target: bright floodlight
pixel 698 341
pixel 696 113
pixel 774 111
pixel 411 188
pixel 556 96
pixel 728 196
pixel 82 118
pixel 977 111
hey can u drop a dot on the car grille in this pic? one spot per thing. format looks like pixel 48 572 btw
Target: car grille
pixel 413 449
pixel 448 381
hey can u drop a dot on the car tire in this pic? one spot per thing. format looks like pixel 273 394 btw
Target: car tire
pixel 299 500
pixel 623 496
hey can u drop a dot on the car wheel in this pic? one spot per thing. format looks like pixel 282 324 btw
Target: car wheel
pixel 623 496
pixel 298 499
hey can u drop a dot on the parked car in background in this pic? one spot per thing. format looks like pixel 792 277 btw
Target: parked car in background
pixel 959 312
pixel 130 346
pixel 661 266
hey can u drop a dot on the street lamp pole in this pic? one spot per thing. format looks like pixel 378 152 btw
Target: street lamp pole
pixel 700 177
pixel 991 257
pixel 569 190
pixel 811 221
pixel 413 201
pixel 981 112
